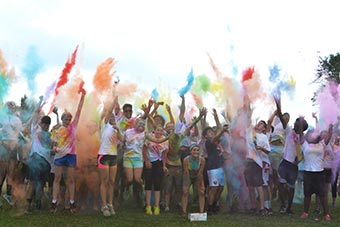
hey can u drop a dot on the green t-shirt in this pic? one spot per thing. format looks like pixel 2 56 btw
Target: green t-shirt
pixel 173 155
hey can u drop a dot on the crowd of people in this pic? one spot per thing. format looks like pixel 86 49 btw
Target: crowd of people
pixel 158 161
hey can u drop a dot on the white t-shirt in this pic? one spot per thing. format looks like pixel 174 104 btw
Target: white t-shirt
pixel 289 150
pixel 155 150
pixel 41 143
pixel 108 143
pixel 263 141
pixel 279 132
pixel 134 142
pixel 252 153
pixel 313 156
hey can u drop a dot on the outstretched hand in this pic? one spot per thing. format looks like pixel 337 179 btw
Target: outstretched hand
pixel 203 112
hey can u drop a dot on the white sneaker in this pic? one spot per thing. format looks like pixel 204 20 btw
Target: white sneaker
pixel 8 198
pixel 112 211
pixel 106 211
pixel 167 209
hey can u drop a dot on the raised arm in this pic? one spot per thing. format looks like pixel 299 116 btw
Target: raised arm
pixel 155 107
pixel 203 121
pixel 150 123
pixel 220 133
pixel 279 112
pixel 80 106
pixel 203 112
pixel 35 117
pixel 270 121
pixel 109 110
pixel 171 116
pixel 182 109
pixel 33 120
pixel 217 120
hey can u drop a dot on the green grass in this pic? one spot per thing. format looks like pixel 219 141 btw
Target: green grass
pixel 128 215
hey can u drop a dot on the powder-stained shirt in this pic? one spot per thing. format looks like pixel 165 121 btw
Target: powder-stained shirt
pixel 65 140
pixel 134 142
pixel 155 150
pixel 291 147
pixel 313 156
pixel 41 143
pixel 109 137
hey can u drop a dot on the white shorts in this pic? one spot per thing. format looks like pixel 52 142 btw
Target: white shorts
pixel 216 177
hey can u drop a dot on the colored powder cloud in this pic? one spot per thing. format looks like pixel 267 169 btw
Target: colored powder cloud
pixel 33 65
pixel 186 88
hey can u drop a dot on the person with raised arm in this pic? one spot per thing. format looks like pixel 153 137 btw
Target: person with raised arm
pixel 214 165
pixel 291 156
pixel 107 159
pixel 314 145
pixel 65 154
pixel 153 154
pixel 40 159
pixel 172 156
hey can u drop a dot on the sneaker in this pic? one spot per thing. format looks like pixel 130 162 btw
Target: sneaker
pixel 28 209
pixel 148 210
pixel 263 212
pixel 112 211
pixel 328 217
pixel 8 198
pixel 73 208
pixel 167 209
pixel 156 210
pixel 53 208
pixel 283 209
pixel 106 211
pixel 304 215
pixel 269 211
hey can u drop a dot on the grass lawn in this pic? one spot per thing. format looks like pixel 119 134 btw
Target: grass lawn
pixel 128 215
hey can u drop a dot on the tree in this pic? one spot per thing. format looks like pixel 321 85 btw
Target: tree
pixel 328 70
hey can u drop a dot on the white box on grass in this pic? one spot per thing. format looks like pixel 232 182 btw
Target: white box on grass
pixel 197 216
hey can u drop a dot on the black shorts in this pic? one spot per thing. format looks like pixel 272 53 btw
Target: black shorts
pixel 313 183
pixel 288 173
pixel 253 174
pixel 107 161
